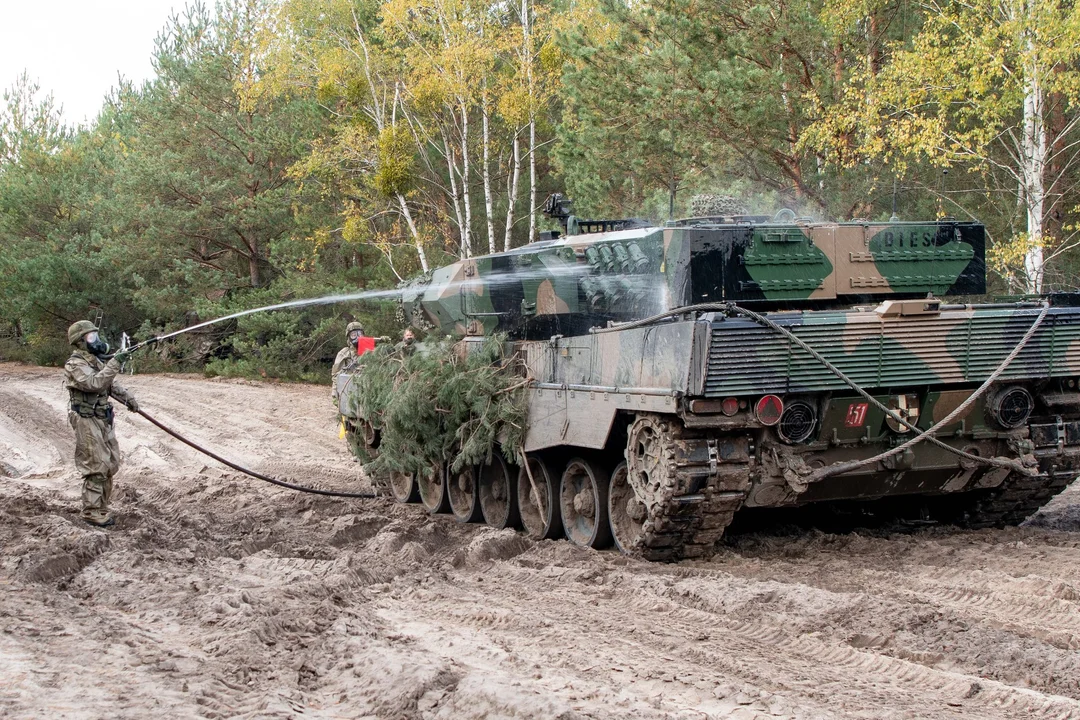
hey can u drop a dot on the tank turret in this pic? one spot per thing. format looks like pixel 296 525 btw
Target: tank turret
pixel 603 271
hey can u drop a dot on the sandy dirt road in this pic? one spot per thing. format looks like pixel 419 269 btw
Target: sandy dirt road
pixel 218 596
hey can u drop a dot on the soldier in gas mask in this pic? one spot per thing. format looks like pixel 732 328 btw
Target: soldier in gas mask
pixel 89 382
pixel 345 356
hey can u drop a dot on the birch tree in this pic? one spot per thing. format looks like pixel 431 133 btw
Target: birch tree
pixel 445 63
pixel 336 50
pixel 989 86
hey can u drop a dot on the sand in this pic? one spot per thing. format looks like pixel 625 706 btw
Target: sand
pixel 220 596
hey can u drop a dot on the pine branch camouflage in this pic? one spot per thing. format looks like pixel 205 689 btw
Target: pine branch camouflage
pixel 441 401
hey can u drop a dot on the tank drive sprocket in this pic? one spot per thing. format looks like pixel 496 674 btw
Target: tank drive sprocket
pixel 680 491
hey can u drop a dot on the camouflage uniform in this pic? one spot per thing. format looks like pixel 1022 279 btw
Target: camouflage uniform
pixel 407 346
pixel 344 358
pixel 89 382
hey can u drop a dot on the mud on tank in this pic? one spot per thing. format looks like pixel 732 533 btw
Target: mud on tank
pixel 682 373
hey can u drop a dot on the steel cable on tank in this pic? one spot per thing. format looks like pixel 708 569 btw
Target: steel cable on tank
pixel 841 468
pixel 252 473
pixel 837 469
pixel 847 467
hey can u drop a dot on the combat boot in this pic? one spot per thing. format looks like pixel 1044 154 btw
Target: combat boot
pixel 98 518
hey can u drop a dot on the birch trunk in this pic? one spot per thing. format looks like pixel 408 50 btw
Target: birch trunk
pixel 526 31
pixel 466 202
pixel 512 192
pixel 532 179
pixel 452 170
pixel 1034 158
pixel 404 206
pixel 488 203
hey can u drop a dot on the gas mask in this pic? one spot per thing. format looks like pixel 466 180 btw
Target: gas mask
pixel 354 336
pixel 96 344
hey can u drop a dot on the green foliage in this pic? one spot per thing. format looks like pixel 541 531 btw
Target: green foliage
pixel 437 405
pixel 304 148
pixel 394 173
pixel 989 88
pixel 177 205
pixel 695 94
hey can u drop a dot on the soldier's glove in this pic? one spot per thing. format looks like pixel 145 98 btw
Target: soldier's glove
pixel 133 405
pixel 122 356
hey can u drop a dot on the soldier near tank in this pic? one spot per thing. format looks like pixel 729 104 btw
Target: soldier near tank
pixel 408 342
pixel 90 383
pixel 345 356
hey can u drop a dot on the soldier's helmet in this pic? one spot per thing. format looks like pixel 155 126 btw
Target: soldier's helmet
pixel 354 327
pixel 79 330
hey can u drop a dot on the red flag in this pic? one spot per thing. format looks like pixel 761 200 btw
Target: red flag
pixel 364 344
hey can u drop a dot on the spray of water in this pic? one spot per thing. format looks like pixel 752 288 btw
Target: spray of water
pixel 494 280
pixel 327 300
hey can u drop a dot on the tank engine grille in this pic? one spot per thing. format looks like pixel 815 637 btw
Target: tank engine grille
pixel 953 347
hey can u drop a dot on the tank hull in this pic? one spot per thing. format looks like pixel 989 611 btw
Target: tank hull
pixel 685 392
pixel 591 391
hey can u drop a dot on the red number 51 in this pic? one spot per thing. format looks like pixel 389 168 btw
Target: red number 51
pixel 856 415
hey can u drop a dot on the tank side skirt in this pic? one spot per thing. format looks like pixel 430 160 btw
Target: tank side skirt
pixel 583 416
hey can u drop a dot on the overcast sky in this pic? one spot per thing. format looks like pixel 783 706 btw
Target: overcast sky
pixel 76 48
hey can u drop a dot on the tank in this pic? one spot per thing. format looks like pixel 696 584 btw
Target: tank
pixel 682 374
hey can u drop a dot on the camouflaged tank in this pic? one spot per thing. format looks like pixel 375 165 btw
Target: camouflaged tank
pixel 680 374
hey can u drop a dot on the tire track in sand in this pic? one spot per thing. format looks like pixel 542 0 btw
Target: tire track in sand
pixel 863 680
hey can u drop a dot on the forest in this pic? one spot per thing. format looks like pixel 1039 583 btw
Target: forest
pixel 299 148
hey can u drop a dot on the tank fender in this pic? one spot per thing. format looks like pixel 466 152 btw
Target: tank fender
pixel 583 416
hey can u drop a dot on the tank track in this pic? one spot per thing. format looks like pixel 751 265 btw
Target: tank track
pixel 1018 497
pixel 706 483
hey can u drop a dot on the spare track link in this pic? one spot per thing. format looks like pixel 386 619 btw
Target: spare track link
pixel 1019 496
pixel 707 481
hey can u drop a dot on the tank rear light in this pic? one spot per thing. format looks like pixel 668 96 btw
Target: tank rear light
pixel 728 406
pixel 769 409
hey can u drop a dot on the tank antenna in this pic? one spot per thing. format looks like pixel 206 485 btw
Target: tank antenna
pixel 895 217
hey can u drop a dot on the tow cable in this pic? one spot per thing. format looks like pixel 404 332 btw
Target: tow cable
pixel 927 435
pixel 252 473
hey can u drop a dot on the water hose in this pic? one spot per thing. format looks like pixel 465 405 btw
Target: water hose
pixel 252 473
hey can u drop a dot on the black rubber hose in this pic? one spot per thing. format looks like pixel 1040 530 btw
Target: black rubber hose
pixel 252 473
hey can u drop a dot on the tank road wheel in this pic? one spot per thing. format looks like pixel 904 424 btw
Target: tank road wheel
pixel 432 487
pixel 538 500
pixel 464 496
pixel 368 434
pixel 498 493
pixel 404 487
pixel 626 512
pixel 584 503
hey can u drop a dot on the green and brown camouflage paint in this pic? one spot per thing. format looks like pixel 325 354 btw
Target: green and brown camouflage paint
pixel 864 295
